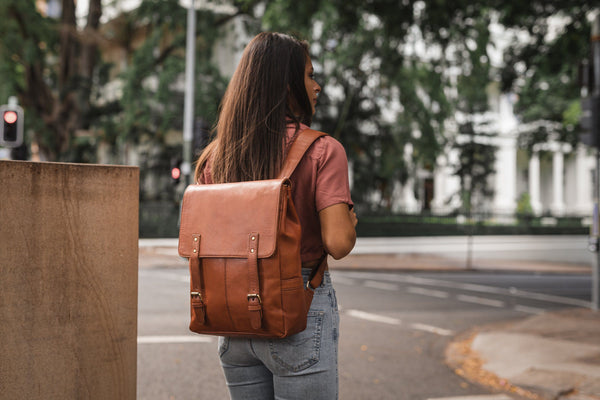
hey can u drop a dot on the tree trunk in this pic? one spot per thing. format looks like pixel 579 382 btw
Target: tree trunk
pixel 64 111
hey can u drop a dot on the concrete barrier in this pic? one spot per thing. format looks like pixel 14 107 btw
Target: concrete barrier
pixel 68 273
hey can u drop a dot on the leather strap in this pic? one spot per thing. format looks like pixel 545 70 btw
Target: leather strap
pixel 314 280
pixel 299 146
pixel 316 276
pixel 197 298
pixel 254 300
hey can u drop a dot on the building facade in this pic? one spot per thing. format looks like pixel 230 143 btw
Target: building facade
pixel 557 177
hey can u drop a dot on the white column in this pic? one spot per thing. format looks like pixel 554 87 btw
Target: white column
pixel 558 204
pixel 440 174
pixel 506 177
pixel 408 196
pixel 505 187
pixel 534 183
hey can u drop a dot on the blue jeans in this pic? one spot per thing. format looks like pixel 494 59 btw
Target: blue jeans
pixel 302 366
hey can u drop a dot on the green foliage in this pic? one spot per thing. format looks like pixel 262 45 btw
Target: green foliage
pixel 152 104
pixel 476 164
pixel 524 205
pixel 370 53
pixel 379 54
pixel 46 71
pixel 395 76
pixel 543 70
pixel 25 39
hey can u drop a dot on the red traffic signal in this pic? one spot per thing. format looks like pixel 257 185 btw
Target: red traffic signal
pixel 175 170
pixel 175 173
pixel 11 126
pixel 10 117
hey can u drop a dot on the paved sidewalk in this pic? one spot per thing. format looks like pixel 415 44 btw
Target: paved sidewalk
pixel 552 356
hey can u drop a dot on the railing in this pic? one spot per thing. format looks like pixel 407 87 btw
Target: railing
pixel 160 220
pixel 426 224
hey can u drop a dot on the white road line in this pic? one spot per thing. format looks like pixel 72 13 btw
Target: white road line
pixel 432 329
pixel 381 285
pixel 373 317
pixel 480 300
pixel 529 310
pixel 480 397
pixel 428 292
pixel 337 280
pixel 394 321
pixel 173 339
pixel 472 287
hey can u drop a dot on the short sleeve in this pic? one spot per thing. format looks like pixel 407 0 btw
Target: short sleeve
pixel 332 183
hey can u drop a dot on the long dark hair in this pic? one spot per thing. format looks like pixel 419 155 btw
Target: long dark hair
pixel 251 130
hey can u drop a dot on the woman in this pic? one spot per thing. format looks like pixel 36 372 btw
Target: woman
pixel 271 98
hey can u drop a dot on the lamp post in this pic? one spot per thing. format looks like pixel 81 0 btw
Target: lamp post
pixel 595 129
pixel 188 109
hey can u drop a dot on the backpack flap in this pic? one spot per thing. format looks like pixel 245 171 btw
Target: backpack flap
pixel 224 215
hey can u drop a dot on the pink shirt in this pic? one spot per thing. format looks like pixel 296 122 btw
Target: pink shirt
pixel 319 181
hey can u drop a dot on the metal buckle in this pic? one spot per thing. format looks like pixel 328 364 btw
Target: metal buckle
pixel 192 294
pixel 309 287
pixel 256 296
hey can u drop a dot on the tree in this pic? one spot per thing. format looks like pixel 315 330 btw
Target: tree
pixel 50 65
pixel 543 69
pixel 397 73
pixel 60 73
pixel 389 65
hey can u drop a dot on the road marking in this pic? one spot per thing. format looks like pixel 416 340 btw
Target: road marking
pixel 428 292
pixel 480 397
pixel 381 285
pixel 472 287
pixel 529 310
pixel 480 300
pixel 337 280
pixel 373 317
pixel 432 329
pixel 173 339
pixel 394 321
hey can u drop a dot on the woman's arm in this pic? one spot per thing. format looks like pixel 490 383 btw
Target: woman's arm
pixel 337 229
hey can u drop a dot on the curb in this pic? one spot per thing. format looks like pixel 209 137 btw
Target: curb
pixel 534 383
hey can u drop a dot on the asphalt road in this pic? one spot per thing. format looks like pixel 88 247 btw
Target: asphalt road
pixel 394 330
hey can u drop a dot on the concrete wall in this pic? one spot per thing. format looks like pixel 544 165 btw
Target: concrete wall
pixel 68 273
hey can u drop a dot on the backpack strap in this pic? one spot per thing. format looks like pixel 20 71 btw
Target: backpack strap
pixel 303 141
pixel 299 146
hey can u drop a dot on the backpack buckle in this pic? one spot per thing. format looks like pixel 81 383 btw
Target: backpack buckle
pixel 256 296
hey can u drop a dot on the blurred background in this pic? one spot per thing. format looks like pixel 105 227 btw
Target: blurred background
pixel 458 117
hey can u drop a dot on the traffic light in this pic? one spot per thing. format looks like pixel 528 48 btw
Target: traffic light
pixel 11 125
pixel 175 170
pixel 590 105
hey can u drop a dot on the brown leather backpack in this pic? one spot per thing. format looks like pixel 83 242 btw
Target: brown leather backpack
pixel 243 244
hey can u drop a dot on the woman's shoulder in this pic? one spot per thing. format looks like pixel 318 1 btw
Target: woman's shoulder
pixel 325 146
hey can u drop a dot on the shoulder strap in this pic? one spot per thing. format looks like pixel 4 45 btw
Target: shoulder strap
pixel 303 141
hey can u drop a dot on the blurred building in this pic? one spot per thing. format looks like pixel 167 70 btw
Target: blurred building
pixel 558 178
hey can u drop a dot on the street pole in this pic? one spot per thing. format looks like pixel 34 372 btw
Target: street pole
pixel 595 42
pixel 188 109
